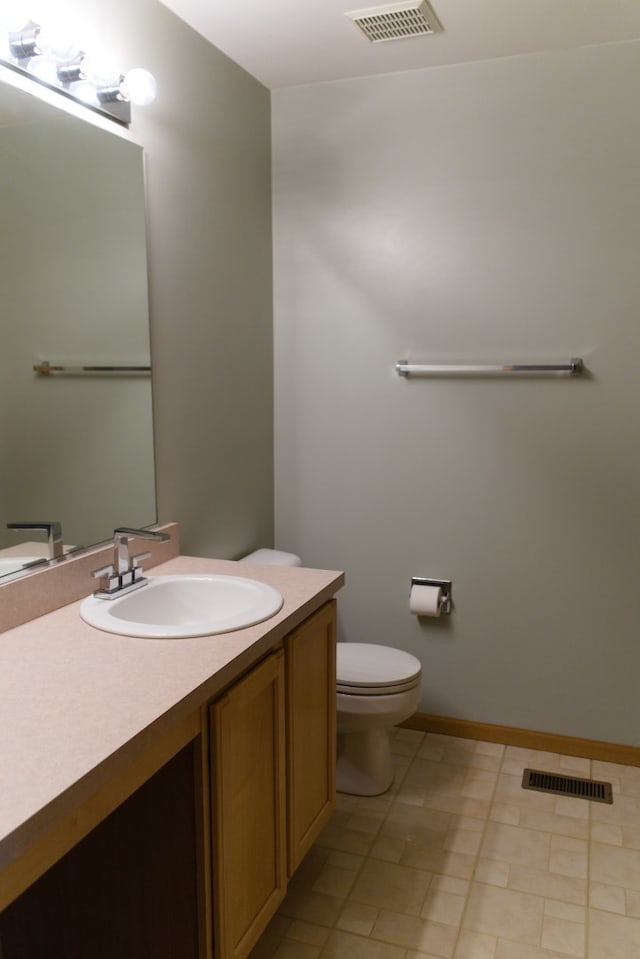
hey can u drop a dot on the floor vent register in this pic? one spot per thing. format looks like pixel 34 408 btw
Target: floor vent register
pixel 567 786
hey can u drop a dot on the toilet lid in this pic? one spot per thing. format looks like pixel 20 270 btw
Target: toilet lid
pixel 365 665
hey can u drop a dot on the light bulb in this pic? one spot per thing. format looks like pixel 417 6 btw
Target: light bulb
pixel 44 69
pixel 100 69
pixel 139 86
pixel 85 91
pixel 58 43
pixel 14 16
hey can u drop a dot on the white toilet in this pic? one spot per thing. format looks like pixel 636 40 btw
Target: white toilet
pixel 271 557
pixel 377 688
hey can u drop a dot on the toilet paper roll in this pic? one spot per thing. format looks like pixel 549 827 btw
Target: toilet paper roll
pixel 425 600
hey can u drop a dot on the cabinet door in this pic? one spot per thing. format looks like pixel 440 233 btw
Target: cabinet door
pixel 311 730
pixel 249 804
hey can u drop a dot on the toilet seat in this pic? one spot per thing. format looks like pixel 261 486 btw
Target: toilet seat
pixel 366 669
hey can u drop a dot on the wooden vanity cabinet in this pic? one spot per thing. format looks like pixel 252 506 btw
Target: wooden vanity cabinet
pixel 249 807
pixel 272 738
pixel 311 730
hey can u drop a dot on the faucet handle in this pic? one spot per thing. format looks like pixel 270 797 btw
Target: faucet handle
pixel 136 567
pixel 109 579
pixel 138 557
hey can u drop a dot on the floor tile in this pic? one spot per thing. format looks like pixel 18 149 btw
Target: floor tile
pixel 629 834
pixel 563 935
pixel 541 882
pixel 445 907
pixel 272 937
pixel 311 907
pixel 518 758
pixel 457 887
pixel 336 836
pixel 366 821
pixel 310 867
pixel 576 766
pixel 514 844
pixel 609 833
pixel 438 860
pixel 568 857
pixel 518 950
pixel 407 742
pixel 412 954
pixel 415 933
pixel 391 886
pixel 307 932
pixel 557 822
pixel 344 945
pixel 632 903
pixel 462 752
pixel 416 824
pixel 492 872
pixel 358 917
pixel 509 790
pixel 514 915
pixel 475 945
pixel 288 949
pixel 607 897
pixel 624 779
pixel 625 811
pixel 613 937
pixel 344 860
pixel 458 861
pixel 334 881
pixel 463 840
pixel 615 865
pixel 388 849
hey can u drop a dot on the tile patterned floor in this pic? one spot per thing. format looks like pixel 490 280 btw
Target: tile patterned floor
pixel 457 861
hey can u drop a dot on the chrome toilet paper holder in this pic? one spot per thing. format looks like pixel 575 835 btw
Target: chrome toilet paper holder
pixel 446 599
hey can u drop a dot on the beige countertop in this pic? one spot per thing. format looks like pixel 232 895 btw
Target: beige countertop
pixel 78 705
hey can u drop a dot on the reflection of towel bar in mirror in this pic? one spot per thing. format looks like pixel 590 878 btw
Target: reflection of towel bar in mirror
pixel 574 367
pixel 76 369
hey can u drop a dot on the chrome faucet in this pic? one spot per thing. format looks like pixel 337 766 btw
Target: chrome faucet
pixel 125 572
pixel 54 535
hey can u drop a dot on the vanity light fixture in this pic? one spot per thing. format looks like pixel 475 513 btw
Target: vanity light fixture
pixel 50 56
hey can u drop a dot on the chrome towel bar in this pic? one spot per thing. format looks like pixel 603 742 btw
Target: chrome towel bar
pixel 574 367
pixel 70 369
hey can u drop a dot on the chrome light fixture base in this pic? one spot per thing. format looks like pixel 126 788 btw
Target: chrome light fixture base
pixel 67 71
pixel 118 110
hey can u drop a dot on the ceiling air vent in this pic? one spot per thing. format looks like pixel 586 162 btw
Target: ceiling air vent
pixel 396 21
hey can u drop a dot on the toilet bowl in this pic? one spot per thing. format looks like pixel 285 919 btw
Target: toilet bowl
pixel 377 688
pixel 271 557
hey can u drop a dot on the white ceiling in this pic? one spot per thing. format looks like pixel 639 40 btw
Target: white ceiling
pixel 292 42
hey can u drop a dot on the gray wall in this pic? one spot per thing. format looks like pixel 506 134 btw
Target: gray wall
pixel 207 148
pixel 483 212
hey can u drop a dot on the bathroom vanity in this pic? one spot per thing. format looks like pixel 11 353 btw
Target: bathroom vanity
pixel 157 795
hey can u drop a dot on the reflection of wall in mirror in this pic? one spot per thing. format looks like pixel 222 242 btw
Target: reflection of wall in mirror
pixel 73 275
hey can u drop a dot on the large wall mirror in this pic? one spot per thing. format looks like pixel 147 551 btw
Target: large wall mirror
pixel 76 447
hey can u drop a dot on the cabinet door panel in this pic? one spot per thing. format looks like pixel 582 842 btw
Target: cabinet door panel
pixel 311 730
pixel 247 740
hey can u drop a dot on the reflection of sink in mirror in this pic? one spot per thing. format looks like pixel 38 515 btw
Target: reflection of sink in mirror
pixel 11 564
pixel 174 607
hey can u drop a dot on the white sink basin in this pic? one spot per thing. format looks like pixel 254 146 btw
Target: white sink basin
pixel 175 607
